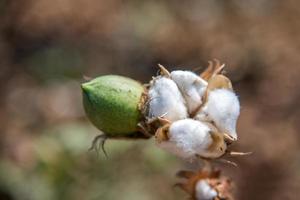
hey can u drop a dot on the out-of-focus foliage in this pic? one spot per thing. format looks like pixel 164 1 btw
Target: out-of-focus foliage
pixel 47 46
pixel 57 165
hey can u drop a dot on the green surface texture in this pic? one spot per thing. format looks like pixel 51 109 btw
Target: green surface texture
pixel 111 102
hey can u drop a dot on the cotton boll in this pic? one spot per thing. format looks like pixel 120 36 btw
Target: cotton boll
pixel 223 108
pixel 188 138
pixel 191 86
pixel 166 100
pixel 205 185
pixel 204 191
pixel 190 135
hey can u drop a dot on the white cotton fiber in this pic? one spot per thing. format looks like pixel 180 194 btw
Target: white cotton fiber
pixel 223 108
pixel 192 88
pixel 204 191
pixel 187 138
pixel 166 100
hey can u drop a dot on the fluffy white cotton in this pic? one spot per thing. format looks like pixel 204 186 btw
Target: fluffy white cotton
pixel 204 191
pixel 166 100
pixel 191 86
pixel 223 108
pixel 187 138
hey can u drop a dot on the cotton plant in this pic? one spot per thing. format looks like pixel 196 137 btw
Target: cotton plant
pixel 191 116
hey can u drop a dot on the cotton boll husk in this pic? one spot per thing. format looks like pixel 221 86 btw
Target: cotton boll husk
pixel 166 100
pixel 187 138
pixel 204 191
pixel 191 86
pixel 223 108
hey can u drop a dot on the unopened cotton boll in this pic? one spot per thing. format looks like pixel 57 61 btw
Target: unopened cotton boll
pixel 190 138
pixel 223 108
pixel 204 191
pixel 112 98
pixel 166 100
pixel 191 86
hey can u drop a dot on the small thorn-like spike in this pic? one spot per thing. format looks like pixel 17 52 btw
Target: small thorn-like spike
pixel 164 71
pixel 228 162
pixel 234 153
pixel 212 70
pixel 163 121
pixel 229 139
pixel 208 71
pixel 219 69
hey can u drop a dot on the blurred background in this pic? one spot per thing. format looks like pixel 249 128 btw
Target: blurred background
pixel 47 46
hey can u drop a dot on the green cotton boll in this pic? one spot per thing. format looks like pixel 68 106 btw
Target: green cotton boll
pixel 113 104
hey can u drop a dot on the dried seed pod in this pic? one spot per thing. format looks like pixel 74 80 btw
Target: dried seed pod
pixel 206 185
pixel 113 104
pixel 190 139
pixel 165 99
pixel 191 86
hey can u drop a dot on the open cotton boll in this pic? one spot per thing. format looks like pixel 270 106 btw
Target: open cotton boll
pixel 223 108
pixel 205 185
pixel 187 138
pixel 204 191
pixel 166 100
pixel 191 86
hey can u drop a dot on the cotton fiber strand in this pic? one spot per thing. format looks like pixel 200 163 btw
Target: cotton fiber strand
pixel 166 100
pixel 192 88
pixel 187 138
pixel 223 108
